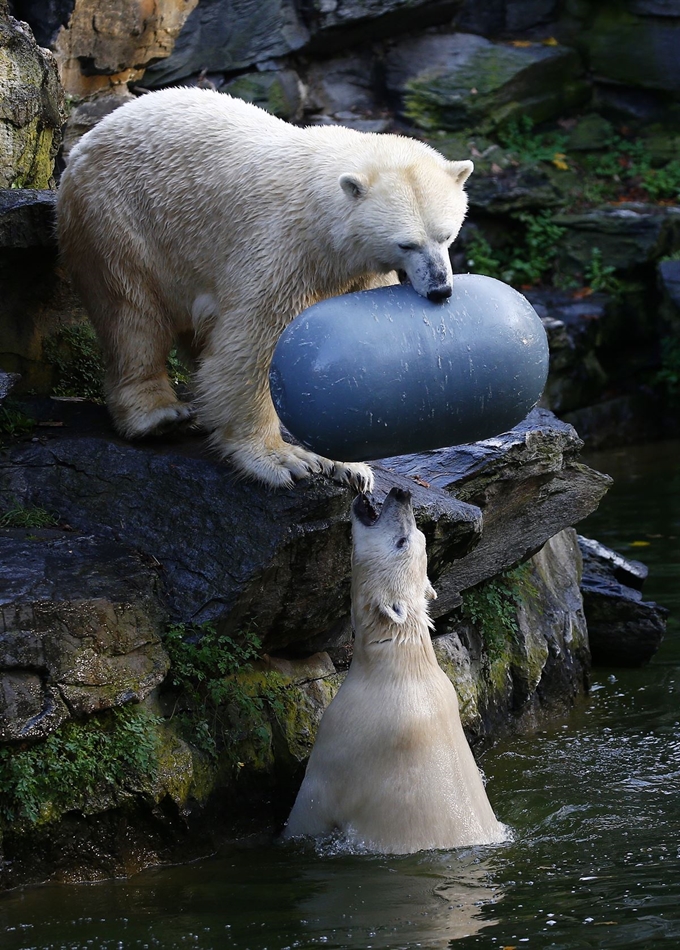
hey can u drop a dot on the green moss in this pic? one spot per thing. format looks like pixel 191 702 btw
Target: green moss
pixel 492 607
pixel 528 260
pixel 78 765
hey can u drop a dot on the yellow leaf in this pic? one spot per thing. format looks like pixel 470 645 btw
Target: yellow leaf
pixel 550 41
pixel 521 43
pixel 640 544
pixel 559 162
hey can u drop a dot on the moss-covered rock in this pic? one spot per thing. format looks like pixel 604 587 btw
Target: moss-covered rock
pixel 279 92
pixel 456 81
pixel 31 108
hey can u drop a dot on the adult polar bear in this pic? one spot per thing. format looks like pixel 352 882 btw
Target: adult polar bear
pixel 190 212
pixel 391 768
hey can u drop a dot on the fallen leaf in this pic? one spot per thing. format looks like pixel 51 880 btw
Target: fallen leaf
pixel 640 544
pixel 521 43
pixel 550 41
pixel 420 481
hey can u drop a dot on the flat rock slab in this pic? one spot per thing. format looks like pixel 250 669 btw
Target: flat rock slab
pixel 27 217
pixel 528 484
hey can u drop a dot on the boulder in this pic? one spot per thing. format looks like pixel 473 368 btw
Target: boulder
pixel 627 235
pixel 79 629
pixel 102 46
pixel 624 630
pixel 31 108
pixel 278 91
pixel 668 273
pixel 27 218
pixel 230 35
pixel 456 80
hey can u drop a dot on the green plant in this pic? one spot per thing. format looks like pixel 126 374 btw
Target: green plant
pixel 663 183
pixel 13 421
pixel 531 259
pixel 492 606
pixel 528 146
pixel 75 354
pixel 481 257
pixel 178 371
pixel 217 707
pixel 79 762
pixel 29 517
pixel 668 376
pixel 600 276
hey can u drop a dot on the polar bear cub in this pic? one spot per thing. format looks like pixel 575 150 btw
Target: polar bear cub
pixel 391 768
pixel 187 212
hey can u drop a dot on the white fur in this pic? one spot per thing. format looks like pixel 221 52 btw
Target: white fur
pixel 391 767
pixel 187 211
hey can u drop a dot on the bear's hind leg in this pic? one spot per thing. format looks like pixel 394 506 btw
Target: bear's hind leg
pixel 139 394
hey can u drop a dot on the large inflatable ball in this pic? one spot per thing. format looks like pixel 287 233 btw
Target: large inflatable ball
pixel 386 372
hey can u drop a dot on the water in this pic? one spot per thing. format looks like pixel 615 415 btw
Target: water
pixel 594 803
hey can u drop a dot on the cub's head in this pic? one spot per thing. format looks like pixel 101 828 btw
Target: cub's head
pixel 389 562
pixel 404 217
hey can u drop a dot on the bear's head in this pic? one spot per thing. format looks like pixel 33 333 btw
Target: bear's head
pixel 405 218
pixel 389 563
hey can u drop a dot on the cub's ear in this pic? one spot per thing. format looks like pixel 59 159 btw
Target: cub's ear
pixel 355 186
pixel 430 592
pixel 395 612
pixel 460 171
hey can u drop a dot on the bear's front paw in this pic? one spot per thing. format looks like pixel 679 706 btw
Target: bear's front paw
pixel 355 474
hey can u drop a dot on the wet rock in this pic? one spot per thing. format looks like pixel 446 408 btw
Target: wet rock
pixel 669 283
pixel 624 630
pixel 31 108
pixel 504 16
pixel 627 236
pixel 7 383
pixel 239 555
pixel 79 630
pixel 576 377
pixel 619 420
pixel 542 664
pixel 456 81
pixel 528 484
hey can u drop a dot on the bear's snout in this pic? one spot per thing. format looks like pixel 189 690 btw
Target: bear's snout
pixel 438 294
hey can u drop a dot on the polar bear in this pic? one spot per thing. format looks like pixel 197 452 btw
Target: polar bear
pixel 391 768
pixel 187 213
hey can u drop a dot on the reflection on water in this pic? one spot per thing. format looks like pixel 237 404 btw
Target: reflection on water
pixel 594 803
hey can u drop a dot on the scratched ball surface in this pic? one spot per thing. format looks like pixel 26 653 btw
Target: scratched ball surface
pixel 386 372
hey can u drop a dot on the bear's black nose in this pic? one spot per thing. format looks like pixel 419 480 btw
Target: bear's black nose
pixel 439 293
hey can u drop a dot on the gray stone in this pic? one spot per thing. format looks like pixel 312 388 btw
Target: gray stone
pixel 344 84
pixel 669 283
pixel 79 630
pixel 7 383
pixel 227 35
pixel 627 236
pixel 619 420
pixel 669 8
pixel 635 51
pixel 27 217
pixel 623 629
pixel 456 81
pixel 88 113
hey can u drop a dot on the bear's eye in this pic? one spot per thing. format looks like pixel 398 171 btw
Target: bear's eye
pixel 401 542
pixel 408 246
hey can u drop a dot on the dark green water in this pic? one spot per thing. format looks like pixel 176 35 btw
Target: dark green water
pixel 594 804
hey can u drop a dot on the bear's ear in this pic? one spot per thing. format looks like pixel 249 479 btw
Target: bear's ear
pixel 395 612
pixel 355 186
pixel 430 592
pixel 460 171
